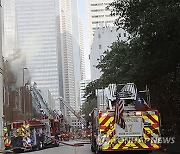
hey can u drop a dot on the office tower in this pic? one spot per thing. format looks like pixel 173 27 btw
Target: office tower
pixel 103 38
pixel 82 85
pixel 99 16
pixel 37 31
pixel 9 26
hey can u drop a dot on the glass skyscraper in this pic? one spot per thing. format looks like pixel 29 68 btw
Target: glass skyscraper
pixel 37 32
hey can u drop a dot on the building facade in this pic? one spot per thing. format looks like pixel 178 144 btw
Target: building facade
pixel 72 53
pixel 9 16
pixel 37 31
pixel 99 16
pixel 50 35
pixel 83 84
pixel 17 101
pixel 103 38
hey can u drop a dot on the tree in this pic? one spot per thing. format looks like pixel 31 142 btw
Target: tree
pixel 154 29
pixel 87 107
pixel 152 55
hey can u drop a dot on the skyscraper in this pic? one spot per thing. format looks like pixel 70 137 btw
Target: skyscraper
pixel 37 31
pixel 103 38
pixel 77 47
pixel 50 34
pixel 67 52
pixel 71 51
pixel 102 32
pixel 99 16
pixel 9 26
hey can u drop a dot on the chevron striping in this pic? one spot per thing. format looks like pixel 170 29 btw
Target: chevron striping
pixel 143 145
pixel 101 119
pixel 155 117
pixel 152 119
pixel 155 146
pixel 109 121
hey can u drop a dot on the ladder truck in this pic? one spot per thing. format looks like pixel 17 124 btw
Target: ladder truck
pixel 123 121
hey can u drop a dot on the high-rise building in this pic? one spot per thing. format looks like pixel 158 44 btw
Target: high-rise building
pixel 102 32
pixel 82 85
pixel 103 38
pixel 37 31
pixel 67 54
pixel 81 51
pixel 71 52
pixel 99 16
pixel 50 34
pixel 9 26
pixel 78 52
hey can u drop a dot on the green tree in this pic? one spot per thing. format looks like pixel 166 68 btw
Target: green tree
pixel 154 28
pixel 152 55
pixel 87 107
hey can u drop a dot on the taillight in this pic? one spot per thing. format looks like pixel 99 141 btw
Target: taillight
pixel 102 127
pixel 155 125
pixel 138 113
pixel 104 114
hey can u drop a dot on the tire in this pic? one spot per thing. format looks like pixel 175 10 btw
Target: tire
pixel 56 144
pixel 92 148
pixel 99 152
pixel 35 148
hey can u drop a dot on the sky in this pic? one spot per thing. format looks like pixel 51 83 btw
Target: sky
pixel 82 8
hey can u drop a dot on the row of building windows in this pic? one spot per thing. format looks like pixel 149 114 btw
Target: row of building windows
pixel 99 4
pixel 96 22
pixel 100 10
pixel 97 10
pixel 99 16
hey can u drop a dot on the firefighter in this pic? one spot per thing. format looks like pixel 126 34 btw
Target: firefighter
pixel 7 142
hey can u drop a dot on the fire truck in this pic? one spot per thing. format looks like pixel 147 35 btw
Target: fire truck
pixel 141 122
pixel 19 136
pixel 34 134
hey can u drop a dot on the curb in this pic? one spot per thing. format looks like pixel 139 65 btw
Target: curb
pixel 6 151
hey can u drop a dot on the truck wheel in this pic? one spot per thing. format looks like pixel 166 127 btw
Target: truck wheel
pixel 92 148
pixel 56 144
pixel 99 152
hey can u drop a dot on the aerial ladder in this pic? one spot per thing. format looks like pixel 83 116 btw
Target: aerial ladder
pixel 82 120
pixel 41 103
pixel 43 106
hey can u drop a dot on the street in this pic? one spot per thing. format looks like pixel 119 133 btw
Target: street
pixel 73 150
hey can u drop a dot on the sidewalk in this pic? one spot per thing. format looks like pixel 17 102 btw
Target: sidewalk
pixel 5 151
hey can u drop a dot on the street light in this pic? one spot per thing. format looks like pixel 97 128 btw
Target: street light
pixel 24 105
pixel 23 74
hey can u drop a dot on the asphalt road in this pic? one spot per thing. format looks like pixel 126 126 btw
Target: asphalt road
pixel 62 149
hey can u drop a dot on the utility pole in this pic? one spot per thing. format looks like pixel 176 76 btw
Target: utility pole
pixel 1 80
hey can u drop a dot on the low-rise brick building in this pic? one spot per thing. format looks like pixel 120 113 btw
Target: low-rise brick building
pixel 17 100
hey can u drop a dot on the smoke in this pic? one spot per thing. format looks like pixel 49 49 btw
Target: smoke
pixel 17 61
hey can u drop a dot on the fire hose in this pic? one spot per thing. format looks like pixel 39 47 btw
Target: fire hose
pixel 69 144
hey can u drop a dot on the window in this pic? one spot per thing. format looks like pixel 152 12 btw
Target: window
pixel 98 10
pixel 97 4
pixel 100 46
pixel 124 34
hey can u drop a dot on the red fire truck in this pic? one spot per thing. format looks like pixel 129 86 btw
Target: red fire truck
pixel 139 128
